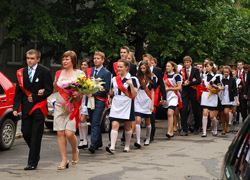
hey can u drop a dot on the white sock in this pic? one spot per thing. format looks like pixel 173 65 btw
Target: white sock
pixel 127 138
pixel 85 133
pixel 80 134
pixel 178 119
pixel 138 133
pixel 204 124
pixel 148 134
pixel 230 118
pixel 113 135
pixel 214 122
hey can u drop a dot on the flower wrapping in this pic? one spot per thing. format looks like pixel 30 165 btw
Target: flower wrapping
pixel 88 85
pixel 214 88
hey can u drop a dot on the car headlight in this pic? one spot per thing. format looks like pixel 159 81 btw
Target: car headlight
pixel 48 102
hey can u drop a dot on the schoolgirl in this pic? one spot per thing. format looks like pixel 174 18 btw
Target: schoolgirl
pixel 173 83
pixel 144 101
pixel 83 126
pixel 233 111
pixel 124 90
pixel 230 91
pixel 209 100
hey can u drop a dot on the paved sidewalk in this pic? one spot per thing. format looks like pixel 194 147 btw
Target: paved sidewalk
pixel 160 124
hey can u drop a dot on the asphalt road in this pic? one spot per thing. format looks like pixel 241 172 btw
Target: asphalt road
pixel 191 158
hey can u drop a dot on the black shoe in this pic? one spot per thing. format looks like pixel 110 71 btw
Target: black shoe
pixel 196 132
pixel 97 147
pixel 126 150
pixel 109 150
pixel 215 134
pixel 84 146
pixel 137 145
pixel 191 130
pixel 183 134
pixel 92 149
pixel 204 135
pixel 30 167
pixel 223 133
pixel 169 136
pixel 80 147
pixel 152 138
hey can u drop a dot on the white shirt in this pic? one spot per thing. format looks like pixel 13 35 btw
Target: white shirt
pixel 245 77
pixel 151 68
pixel 240 72
pixel 33 71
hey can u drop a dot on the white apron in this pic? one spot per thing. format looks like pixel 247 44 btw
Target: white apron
pixel 212 101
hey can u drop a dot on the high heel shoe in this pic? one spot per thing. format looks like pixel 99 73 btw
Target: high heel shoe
pixel 63 167
pixel 74 162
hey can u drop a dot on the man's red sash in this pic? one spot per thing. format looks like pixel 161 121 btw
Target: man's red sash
pixel 242 79
pixel 75 114
pixel 168 84
pixel 115 68
pixel 196 87
pixel 122 88
pixel 41 105
pixel 107 103
pixel 147 90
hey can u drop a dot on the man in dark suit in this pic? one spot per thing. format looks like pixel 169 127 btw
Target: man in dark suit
pixel 242 87
pixel 160 84
pixel 239 71
pixel 31 80
pixel 191 77
pixel 99 99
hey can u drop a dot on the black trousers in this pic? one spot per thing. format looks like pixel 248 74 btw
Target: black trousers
pixel 243 106
pixel 32 129
pixel 184 115
pixel 152 121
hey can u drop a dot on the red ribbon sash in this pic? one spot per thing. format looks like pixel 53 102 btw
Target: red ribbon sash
pixel 242 79
pixel 147 90
pixel 196 87
pixel 107 103
pixel 115 68
pixel 168 84
pixel 41 105
pixel 75 114
pixel 122 88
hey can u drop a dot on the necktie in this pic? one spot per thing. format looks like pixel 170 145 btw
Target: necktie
pixel 188 74
pixel 30 75
pixel 95 72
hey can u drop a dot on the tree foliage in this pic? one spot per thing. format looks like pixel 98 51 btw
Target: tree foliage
pixel 168 29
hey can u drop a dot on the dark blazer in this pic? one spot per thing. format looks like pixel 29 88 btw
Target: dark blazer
pixel 241 93
pixel 105 75
pixel 231 88
pixel 41 80
pixel 246 92
pixel 132 69
pixel 158 72
pixel 187 89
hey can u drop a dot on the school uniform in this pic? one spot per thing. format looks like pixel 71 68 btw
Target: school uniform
pixel 210 103
pixel 230 92
pixel 122 108
pixel 143 102
pixel 172 98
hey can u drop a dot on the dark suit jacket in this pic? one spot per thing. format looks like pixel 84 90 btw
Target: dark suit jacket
pixel 232 90
pixel 246 88
pixel 41 80
pixel 132 69
pixel 241 93
pixel 158 72
pixel 105 75
pixel 187 89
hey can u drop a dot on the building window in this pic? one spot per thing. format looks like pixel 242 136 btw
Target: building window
pixel 15 53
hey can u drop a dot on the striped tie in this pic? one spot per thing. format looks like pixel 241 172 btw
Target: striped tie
pixel 30 75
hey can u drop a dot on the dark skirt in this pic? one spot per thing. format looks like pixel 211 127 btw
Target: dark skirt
pixel 143 115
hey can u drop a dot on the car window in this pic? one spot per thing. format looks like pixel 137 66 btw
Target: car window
pixel 241 158
pixel 1 90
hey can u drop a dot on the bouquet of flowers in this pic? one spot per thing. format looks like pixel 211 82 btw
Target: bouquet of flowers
pixel 89 85
pixel 84 84
pixel 214 88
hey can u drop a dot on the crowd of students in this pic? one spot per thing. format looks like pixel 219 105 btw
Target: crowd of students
pixel 216 95
pixel 201 91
